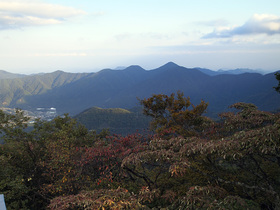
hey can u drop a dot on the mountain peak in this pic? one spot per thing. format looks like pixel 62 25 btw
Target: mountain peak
pixel 170 65
pixel 58 72
pixel 134 68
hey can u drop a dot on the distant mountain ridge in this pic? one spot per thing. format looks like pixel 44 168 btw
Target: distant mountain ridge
pixel 8 75
pixel 233 71
pixel 75 92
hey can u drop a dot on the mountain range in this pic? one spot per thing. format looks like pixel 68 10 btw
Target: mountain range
pixel 75 92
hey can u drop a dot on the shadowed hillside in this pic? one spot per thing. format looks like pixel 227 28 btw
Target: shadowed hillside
pixel 117 120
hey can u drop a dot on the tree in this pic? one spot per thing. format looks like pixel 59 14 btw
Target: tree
pixel 19 157
pixel 102 161
pixel 244 159
pixel 40 164
pixel 277 88
pixel 241 158
pixel 233 164
pixel 63 141
pixel 171 113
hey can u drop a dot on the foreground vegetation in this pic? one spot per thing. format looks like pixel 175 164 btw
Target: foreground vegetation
pixel 191 162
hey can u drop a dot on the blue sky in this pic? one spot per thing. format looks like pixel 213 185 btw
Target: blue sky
pixel 90 35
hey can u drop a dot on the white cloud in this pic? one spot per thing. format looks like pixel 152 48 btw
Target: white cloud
pixel 257 24
pixel 60 55
pixel 17 14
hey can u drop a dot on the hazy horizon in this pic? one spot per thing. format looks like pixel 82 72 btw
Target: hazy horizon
pixel 88 36
pixel 261 71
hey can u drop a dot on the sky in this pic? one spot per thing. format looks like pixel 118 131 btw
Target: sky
pixel 90 35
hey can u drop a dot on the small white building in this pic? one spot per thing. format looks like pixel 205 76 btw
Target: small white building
pixel 2 202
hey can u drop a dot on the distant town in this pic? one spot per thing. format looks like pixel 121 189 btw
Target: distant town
pixel 46 114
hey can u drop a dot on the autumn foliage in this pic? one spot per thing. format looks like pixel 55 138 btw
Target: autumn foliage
pixel 190 162
pixel 174 113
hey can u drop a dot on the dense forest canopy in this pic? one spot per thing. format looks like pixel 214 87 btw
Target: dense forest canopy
pixel 189 162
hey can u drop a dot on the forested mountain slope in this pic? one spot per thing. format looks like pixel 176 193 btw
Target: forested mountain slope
pixel 14 92
pixel 117 120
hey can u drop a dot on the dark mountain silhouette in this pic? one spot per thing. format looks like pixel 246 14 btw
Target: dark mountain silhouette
pixel 73 93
